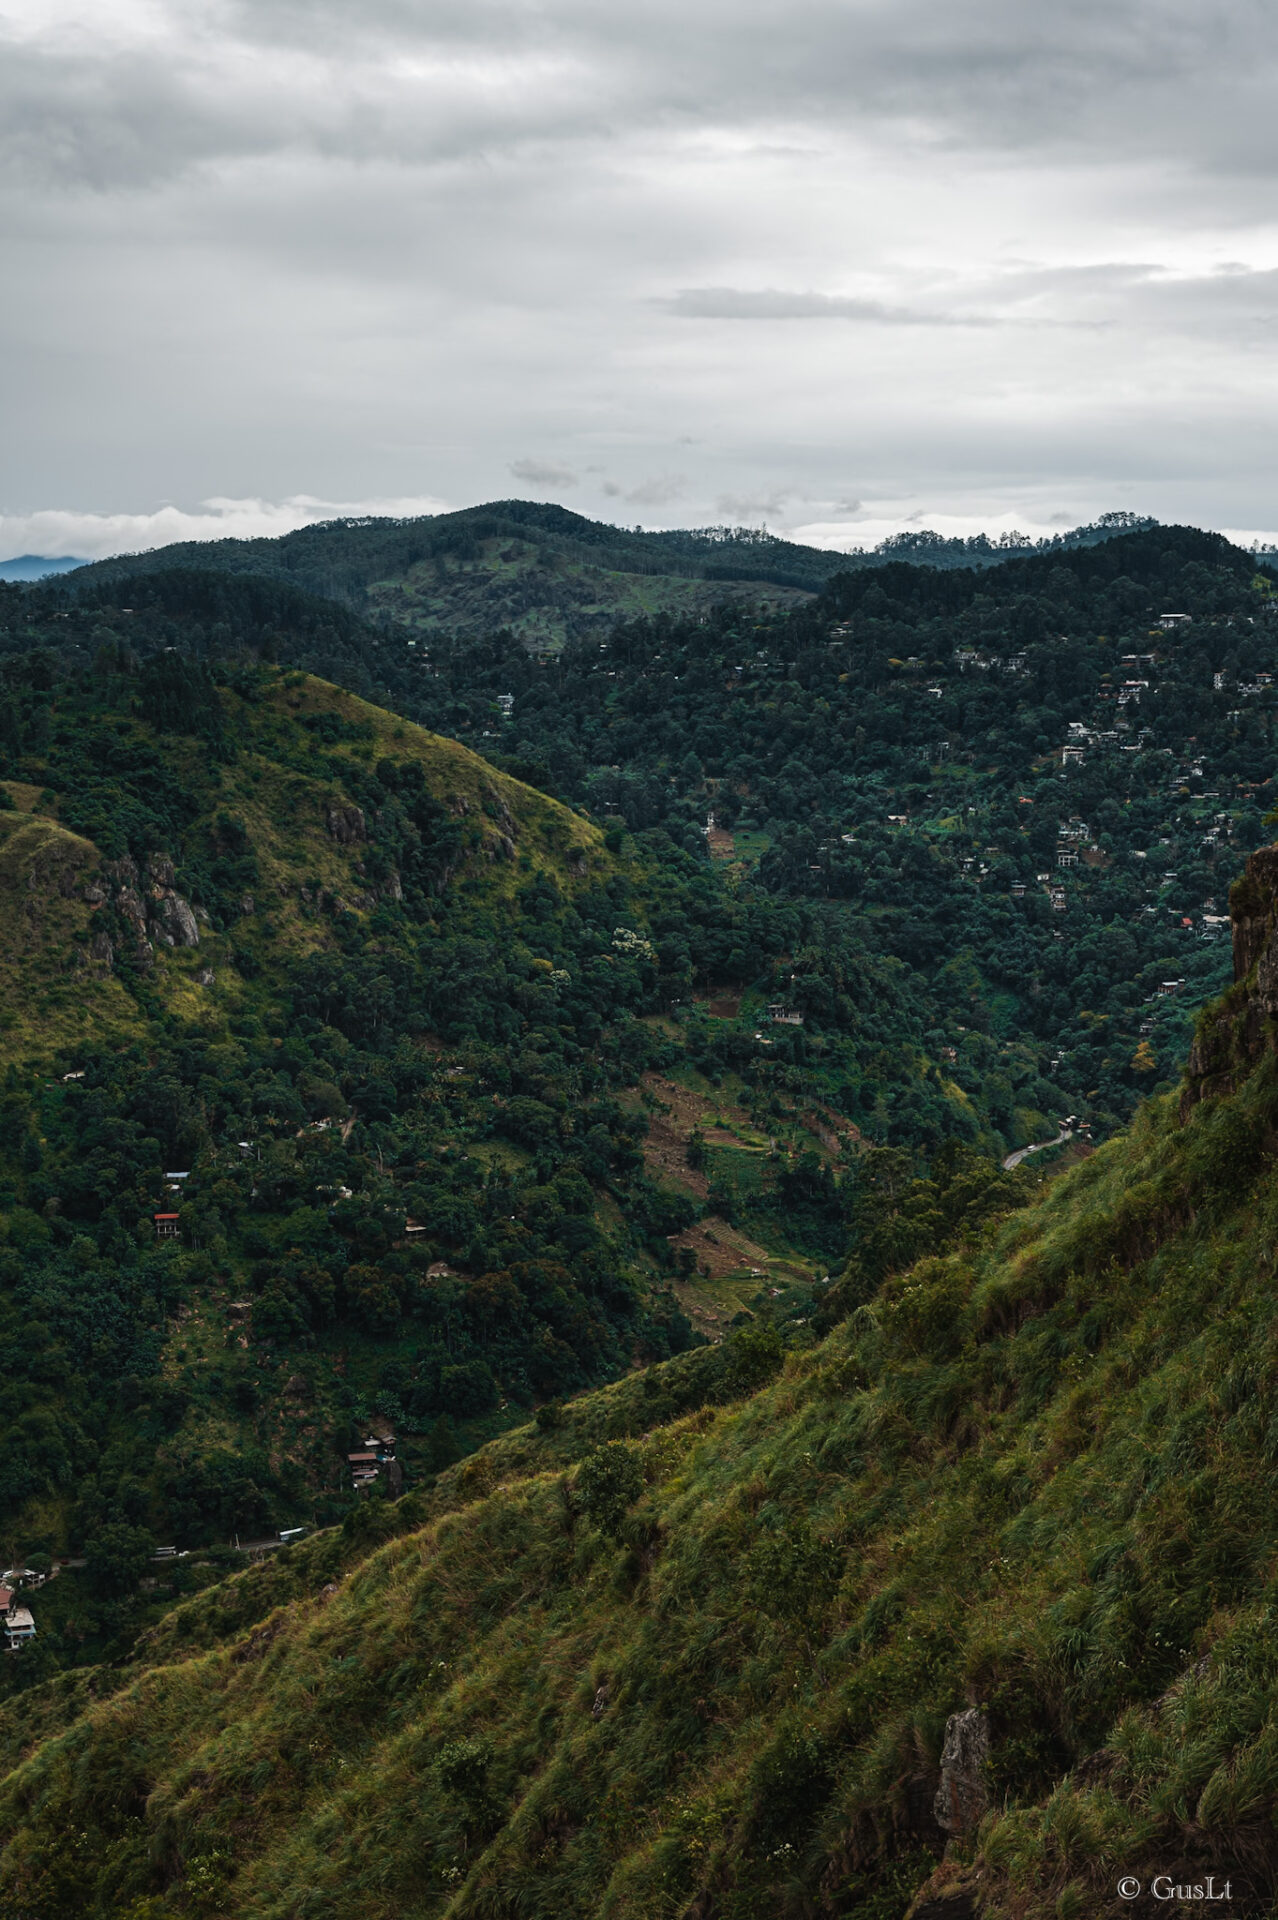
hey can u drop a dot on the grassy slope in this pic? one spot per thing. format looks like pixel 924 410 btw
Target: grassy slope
pixel 280 784
pixel 45 931
pixel 546 597
pixel 1036 1475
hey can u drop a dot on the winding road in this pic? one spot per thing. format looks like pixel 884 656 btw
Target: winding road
pixel 1014 1159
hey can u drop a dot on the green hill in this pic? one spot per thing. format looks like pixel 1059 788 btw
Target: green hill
pixel 350 1084
pixel 546 575
pixel 734 1638
pixel 541 572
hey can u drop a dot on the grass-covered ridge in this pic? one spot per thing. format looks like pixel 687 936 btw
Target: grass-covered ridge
pixel 692 1648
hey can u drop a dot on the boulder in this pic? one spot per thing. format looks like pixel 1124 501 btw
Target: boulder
pixel 346 824
pixel 176 921
pixel 963 1794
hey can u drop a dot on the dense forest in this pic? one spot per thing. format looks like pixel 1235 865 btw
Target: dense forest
pixel 333 1094
pixel 1027 788
pixel 1017 789
pixel 549 574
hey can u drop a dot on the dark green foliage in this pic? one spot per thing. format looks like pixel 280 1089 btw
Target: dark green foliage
pixel 609 1481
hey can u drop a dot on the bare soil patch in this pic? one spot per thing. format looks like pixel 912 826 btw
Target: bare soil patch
pixel 721 1249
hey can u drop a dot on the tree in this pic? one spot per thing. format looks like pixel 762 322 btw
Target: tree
pixel 609 1481
pixel 116 1558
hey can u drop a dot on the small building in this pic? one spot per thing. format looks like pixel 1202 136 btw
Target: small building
pixel 1018 889
pixel 784 1016
pixel 1066 857
pixel 413 1229
pixel 166 1226
pixel 14 1577
pixel 19 1627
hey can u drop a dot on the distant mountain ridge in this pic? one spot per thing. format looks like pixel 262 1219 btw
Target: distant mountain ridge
pixel 26 567
pixel 550 575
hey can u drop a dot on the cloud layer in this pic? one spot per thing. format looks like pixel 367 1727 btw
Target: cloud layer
pixel 280 252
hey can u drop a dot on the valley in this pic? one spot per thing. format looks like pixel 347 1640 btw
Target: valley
pixel 521 1122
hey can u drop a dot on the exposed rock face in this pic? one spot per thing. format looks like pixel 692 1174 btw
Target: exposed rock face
pixel 347 825
pixel 963 1794
pixel 147 903
pixel 174 922
pixel 1232 1039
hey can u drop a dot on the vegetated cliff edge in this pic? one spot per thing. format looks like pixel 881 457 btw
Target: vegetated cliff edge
pixel 968 1609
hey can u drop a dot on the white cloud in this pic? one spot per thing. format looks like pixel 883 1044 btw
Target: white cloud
pixel 94 536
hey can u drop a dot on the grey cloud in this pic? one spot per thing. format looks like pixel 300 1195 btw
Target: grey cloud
pixel 283 247
pixel 739 507
pixel 424 83
pixel 659 491
pixel 543 473
pixel 769 303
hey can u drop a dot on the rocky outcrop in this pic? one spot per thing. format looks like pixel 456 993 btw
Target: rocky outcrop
pixel 147 906
pixel 174 922
pixel 1234 1034
pixel 347 825
pixel 963 1795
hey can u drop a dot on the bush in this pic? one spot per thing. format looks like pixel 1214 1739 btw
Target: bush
pixel 609 1481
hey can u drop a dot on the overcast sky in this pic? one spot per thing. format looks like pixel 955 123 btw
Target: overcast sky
pixel 840 265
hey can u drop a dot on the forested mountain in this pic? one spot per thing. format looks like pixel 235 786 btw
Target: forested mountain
pixel 569 1087
pixel 348 1079
pixel 549 575
pixel 1028 787
pixel 1021 790
pixel 964 1608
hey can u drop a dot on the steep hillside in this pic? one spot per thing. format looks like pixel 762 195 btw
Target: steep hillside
pixel 352 1088
pixel 965 1608
pixel 253 794
pixel 299 1006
